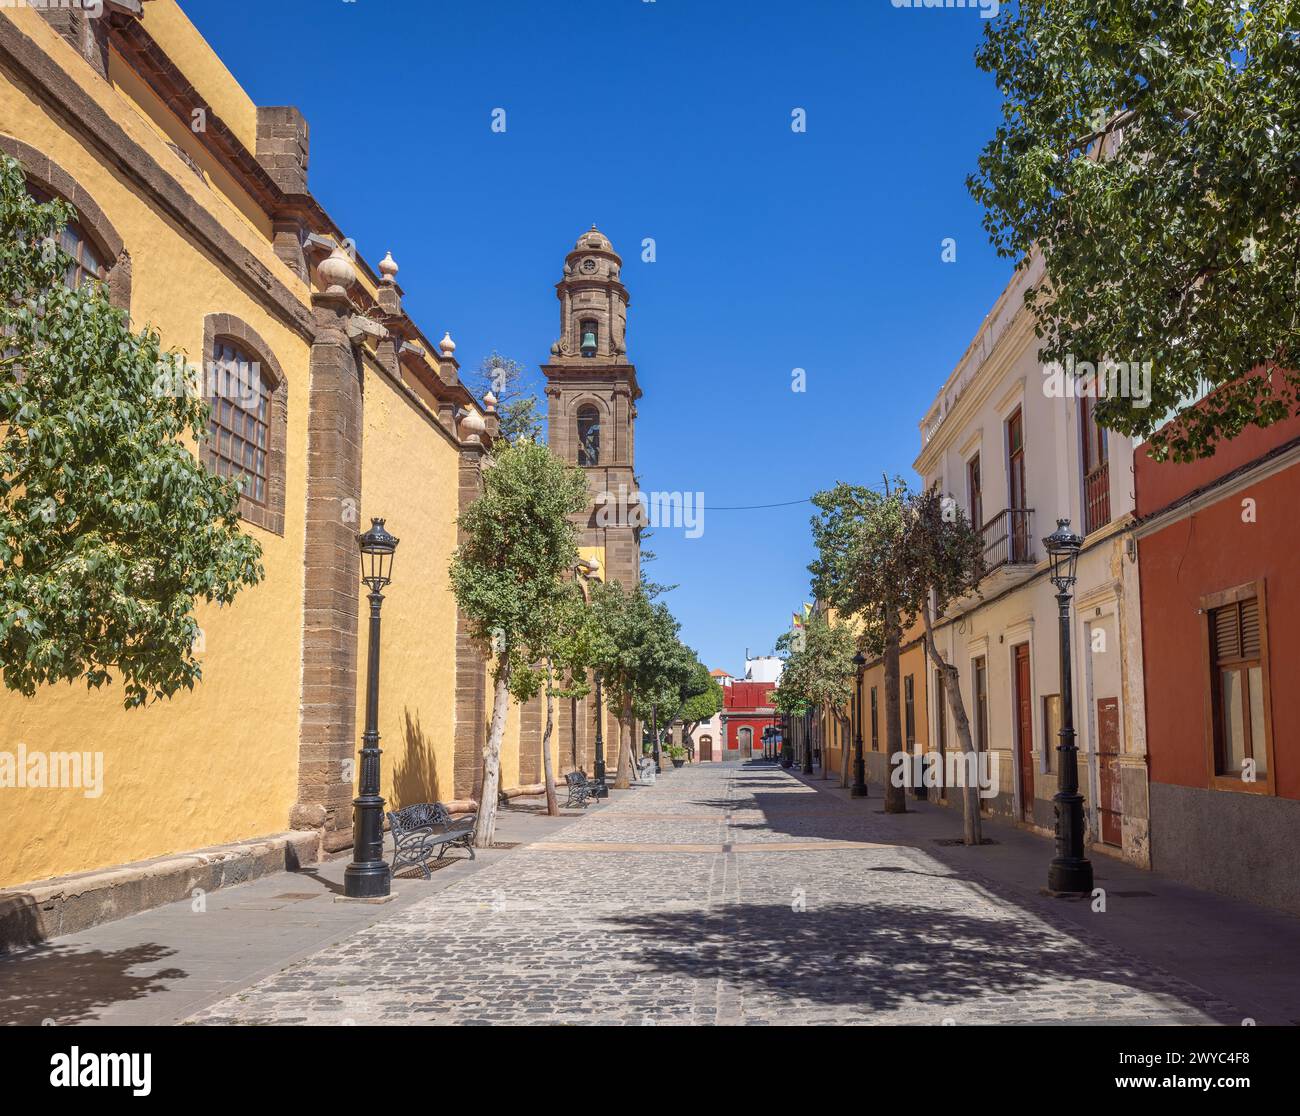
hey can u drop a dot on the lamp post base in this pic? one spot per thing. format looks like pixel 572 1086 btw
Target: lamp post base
pixel 369 880
pixel 1069 877
pixel 859 780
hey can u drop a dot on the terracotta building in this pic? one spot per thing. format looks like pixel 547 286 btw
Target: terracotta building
pixel 1217 542
pixel 747 711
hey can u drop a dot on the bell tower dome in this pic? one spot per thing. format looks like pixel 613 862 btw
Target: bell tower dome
pixel 592 391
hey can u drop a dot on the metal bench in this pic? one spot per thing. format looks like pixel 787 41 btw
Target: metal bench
pixel 580 789
pixel 420 829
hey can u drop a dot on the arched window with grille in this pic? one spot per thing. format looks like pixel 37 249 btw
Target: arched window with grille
pixel 238 425
pixel 248 420
pixel 96 248
pixel 87 257
pixel 588 435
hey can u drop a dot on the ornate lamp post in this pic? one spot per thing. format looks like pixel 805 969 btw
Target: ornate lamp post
pixel 368 876
pixel 807 751
pixel 603 790
pixel 859 773
pixel 1070 872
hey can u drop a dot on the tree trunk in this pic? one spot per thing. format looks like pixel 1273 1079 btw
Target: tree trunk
pixel 895 796
pixel 485 829
pixel 972 830
pixel 622 776
pixel 548 772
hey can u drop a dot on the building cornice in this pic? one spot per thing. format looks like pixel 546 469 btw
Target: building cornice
pixel 63 97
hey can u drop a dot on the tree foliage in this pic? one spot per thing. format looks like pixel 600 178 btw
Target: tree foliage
pixel 1149 152
pixel 508 576
pixel 818 671
pixel 704 700
pixel 517 408
pixel 111 530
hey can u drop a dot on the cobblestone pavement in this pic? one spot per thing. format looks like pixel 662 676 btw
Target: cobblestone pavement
pixel 723 894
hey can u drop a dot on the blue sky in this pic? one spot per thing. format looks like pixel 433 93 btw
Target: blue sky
pixel 671 120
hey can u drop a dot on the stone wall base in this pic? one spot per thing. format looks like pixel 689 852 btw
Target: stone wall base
pixel 1237 844
pixel 33 912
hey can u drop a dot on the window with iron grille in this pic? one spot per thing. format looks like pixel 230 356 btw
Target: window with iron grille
pixel 87 261
pixel 240 398
pixel 1096 468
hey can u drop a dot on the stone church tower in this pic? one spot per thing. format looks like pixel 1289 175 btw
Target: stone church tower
pixel 592 392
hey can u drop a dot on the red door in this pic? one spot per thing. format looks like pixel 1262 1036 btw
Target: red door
pixel 1024 730
pixel 1109 807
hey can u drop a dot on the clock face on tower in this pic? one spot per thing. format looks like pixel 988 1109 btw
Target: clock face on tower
pixel 588 265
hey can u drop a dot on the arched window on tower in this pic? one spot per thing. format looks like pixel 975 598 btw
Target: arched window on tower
pixel 588 435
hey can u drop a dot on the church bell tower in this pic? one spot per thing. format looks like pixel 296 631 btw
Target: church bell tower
pixel 592 391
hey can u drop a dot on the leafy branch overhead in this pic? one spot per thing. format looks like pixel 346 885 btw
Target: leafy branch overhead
pixel 1149 153
pixel 111 531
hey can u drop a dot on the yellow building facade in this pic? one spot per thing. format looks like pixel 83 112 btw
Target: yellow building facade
pixel 194 207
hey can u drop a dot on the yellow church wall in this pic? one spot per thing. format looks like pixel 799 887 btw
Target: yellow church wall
pixel 219 763
pixel 171 129
pixel 409 478
pixel 172 30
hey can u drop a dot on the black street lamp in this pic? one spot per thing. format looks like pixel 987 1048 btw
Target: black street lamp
pixel 807 750
pixel 654 732
pixel 603 790
pixel 368 876
pixel 1070 872
pixel 859 772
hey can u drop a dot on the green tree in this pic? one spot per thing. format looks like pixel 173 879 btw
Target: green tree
pixel 1148 152
pixel 947 562
pixel 818 673
pixel 668 677
pixel 519 545
pixel 704 700
pixel 110 529
pixel 861 570
pixel 567 655
pixel 517 410
pixel 636 652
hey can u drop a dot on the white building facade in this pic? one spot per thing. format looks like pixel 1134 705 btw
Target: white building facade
pixel 1016 454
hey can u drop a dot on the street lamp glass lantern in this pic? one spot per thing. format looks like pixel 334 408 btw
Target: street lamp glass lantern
pixel 1063 547
pixel 859 661
pixel 377 548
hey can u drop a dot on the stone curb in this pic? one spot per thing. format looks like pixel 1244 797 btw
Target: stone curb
pixel 34 912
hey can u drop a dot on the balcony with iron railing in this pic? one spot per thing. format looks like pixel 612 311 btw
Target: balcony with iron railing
pixel 1096 498
pixel 1009 539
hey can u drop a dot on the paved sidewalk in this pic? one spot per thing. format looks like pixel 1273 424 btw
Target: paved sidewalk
pixel 733 894
pixel 162 965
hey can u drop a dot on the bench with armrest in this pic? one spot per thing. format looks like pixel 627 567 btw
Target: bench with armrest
pixel 421 829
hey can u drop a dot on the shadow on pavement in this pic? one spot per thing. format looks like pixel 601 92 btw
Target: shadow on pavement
pixel 902 955
pixel 66 985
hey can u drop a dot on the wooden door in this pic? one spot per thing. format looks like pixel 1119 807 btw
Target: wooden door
pixel 1109 807
pixel 1024 706
pixel 706 747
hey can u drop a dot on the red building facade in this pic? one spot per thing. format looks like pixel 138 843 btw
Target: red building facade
pixel 747 711
pixel 1218 548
